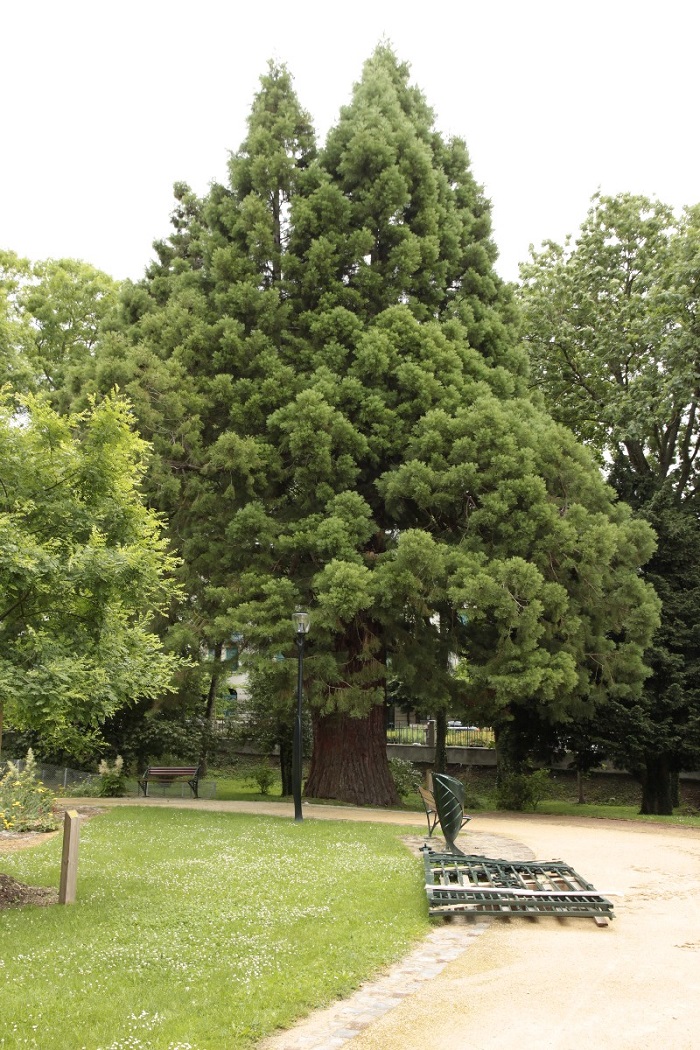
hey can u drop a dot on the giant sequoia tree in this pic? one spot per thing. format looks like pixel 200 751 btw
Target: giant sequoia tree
pixel 197 349
pixel 327 365
pixel 612 325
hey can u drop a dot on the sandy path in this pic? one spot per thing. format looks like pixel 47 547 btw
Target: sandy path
pixel 564 984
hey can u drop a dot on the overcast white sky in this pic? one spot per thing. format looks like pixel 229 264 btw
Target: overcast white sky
pixel 107 103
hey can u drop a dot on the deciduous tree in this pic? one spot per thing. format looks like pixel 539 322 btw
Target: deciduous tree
pixel 611 321
pixel 50 316
pixel 83 568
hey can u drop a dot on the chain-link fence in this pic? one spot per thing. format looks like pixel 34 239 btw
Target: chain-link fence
pixel 61 780
pixel 56 778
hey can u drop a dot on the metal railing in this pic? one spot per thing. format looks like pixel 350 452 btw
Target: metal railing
pixel 457 736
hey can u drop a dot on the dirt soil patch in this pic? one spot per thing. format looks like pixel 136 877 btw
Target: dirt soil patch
pixel 14 894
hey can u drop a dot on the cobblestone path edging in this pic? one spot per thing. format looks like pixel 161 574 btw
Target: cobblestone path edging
pixel 334 1026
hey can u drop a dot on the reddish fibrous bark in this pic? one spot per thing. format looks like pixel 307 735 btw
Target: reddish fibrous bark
pixel 349 761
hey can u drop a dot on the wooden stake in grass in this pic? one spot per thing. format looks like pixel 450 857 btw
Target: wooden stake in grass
pixel 69 858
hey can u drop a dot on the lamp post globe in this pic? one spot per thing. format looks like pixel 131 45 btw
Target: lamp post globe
pixel 302 622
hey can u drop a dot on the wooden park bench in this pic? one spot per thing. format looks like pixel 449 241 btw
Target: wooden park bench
pixel 168 774
pixel 430 810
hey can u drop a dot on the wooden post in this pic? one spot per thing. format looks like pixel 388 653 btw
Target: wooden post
pixel 69 858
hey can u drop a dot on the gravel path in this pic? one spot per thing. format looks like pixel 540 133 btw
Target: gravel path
pixel 564 984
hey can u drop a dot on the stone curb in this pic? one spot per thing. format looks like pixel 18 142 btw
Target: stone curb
pixel 337 1024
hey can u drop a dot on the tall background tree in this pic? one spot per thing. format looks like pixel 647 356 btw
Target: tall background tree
pixel 612 327
pixel 328 368
pixel 196 348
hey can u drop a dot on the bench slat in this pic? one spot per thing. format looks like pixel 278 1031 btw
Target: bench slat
pixel 430 810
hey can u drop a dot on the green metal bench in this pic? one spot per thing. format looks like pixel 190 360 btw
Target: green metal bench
pixel 449 804
pixel 474 885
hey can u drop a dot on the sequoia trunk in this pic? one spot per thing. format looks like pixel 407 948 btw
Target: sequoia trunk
pixel 349 760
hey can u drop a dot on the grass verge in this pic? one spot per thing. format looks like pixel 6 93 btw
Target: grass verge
pixel 610 812
pixel 197 931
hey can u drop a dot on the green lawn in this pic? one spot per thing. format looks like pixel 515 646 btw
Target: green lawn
pixel 237 787
pixel 610 812
pixel 243 787
pixel 201 931
pixel 480 798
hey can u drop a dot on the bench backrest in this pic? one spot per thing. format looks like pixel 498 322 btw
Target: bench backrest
pixel 171 771
pixel 428 799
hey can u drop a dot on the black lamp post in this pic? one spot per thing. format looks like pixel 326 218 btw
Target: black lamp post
pixel 302 622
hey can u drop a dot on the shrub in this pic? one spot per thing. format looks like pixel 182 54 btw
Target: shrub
pixel 522 791
pixel 407 777
pixel 473 799
pixel 264 776
pixel 25 804
pixel 112 782
pixel 89 787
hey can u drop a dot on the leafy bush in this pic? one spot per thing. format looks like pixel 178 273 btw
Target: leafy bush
pixel 473 797
pixel 25 804
pixel 112 782
pixel 406 776
pixel 264 776
pixel 87 788
pixel 522 791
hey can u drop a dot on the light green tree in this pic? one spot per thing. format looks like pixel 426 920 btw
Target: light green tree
pixel 50 315
pixel 83 568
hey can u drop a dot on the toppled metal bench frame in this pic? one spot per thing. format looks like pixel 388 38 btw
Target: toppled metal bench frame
pixel 476 885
